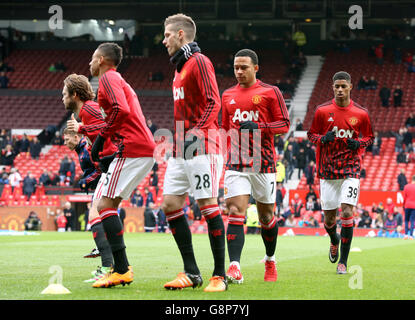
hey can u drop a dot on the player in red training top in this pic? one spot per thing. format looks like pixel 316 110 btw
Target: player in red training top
pixel 77 96
pixel 255 106
pixel 341 129
pixel 125 123
pixel 196 109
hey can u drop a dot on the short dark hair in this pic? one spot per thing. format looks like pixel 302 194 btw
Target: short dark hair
pixel 111 51
pixel 248 53
pixel 342 75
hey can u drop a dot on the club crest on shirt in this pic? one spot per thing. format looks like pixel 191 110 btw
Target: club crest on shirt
pixel 183 74
pixel 226 191
pixel 256 99
pixel 353 121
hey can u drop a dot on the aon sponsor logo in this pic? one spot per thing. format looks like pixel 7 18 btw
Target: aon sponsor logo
pixel 178 93
pixel 342 133
pixel 245 116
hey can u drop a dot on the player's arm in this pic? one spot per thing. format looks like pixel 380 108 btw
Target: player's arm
pixel 206 79
pixel 113 92
pixel 280 116
pixel 94 123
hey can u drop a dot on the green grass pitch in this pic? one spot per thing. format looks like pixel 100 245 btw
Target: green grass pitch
pixel 383 269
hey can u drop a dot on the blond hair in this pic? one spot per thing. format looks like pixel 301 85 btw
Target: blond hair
pixel 79 84
pixel 180 21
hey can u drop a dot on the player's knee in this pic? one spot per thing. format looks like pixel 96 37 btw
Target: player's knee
pixel 265 218
pixel 235 210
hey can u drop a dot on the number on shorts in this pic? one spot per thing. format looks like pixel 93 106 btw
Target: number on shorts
pixel 273 186
pixel 352 193
pixel 107 178
pixel 202 181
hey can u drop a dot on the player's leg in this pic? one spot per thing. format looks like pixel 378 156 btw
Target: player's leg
pixel 237 192
pixel 235 235
pixel 123 176
pixel 101 242
pixel 330 195
pixel 175 189
pixel 349 198
pixel 264 192
pixel 204 173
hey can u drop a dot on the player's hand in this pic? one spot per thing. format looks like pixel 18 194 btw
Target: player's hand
pixel 248 125
pixel 329 137
pixel 83 185
pixel 72 124
pixel 190 148
pixel 353 144
pixel 105 162
pixel 97 148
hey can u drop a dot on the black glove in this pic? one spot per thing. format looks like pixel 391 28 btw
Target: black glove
pixel 105 162
pixel 193 144
pixel 329 137
pixel 249 125
pixel 83 185
pixel 97 148
pixel 353 144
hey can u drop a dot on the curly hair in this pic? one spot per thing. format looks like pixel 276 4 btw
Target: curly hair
pixel 79 84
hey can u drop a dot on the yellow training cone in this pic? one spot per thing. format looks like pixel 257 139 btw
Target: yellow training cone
pixel 55 288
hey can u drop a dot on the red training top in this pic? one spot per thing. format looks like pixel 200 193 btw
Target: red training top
pixel 409 196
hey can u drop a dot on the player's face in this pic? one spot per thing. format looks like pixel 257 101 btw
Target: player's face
pixel 68 100
pixel 94 64
pixel 342 89
pixel 71 141
pixel 245 70
pixel 171 40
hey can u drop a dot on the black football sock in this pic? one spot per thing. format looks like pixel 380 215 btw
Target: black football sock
pixel 269 233
pixel 216 230
pixel 114 231
pixel 235 236
pixel 183 237
pixel 102 244
pixel 332 232
pixel 346 234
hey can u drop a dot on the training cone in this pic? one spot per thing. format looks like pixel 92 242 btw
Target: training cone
pixel 55 288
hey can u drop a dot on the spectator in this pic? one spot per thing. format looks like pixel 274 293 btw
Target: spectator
pixel 60 67
pixel 372 83
pixel 4 178
pixel 390 227
pixel 377 144
pixel 4 67
pixel 64 168
pixel 151 126
pixel 279 143
pixel 279 198
pixel 301 162
pixel 407 138
pixel 149 218
pixel 33 222
pixel 161 221
pixel 409 206
pixel 7 156
pixel 44 179
pixel 397 96
pixel 137 199
pixel 126 45
pixel 309 172
pixel 300 40
pixel 280 170
pixel 398 140
pixel 379 54
pixel 401 157
pixel 365 220
pixel 310 152
pixel 363 83
pixel 410 121
pixel 35 148
pixel 24 144
pixel 29 185
pixel 296 205
pixel 290 222
pixel 15 178
pixel 378 221
pixel 148 196
pixel 4 80
pixel 52 68
pixel 298 125
pixel 397 56
pixel 384 95
pixel 311 194
pixel 61 221
pixel 70 216
pixel 411 67
pixel 57 139
pixel 290 158
pixel 390 206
